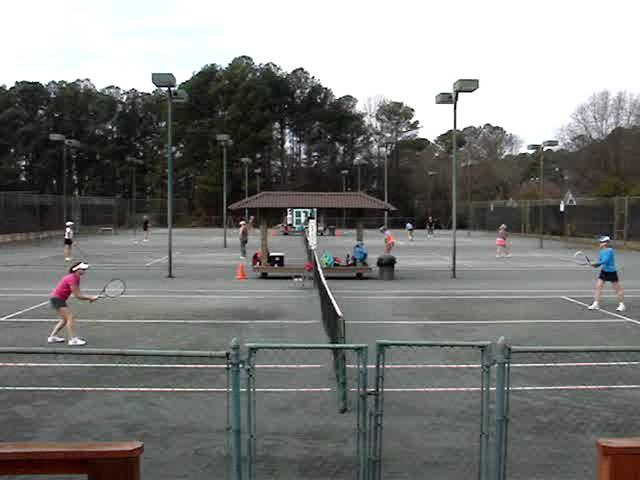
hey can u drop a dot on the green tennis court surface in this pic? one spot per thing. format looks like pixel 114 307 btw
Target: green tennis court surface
pixel 179 407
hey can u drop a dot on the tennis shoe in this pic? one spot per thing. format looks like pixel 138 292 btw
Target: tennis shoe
pixel 594 306
pixel 76 342
pixel 68 259
pixel 55 339
pixel 621 308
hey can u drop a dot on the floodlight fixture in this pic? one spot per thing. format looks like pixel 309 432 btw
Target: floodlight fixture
pixel 444 98
pixel 466 85
pixel 163 80
pixel 180 96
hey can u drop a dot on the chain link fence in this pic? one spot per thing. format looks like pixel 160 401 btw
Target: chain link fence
pixel 590 217
pixel 175 402
pixel 560 401
pixel 431 410
pixel 295 425
pixel 22 213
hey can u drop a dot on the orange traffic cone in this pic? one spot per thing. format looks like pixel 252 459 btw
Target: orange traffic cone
pixel 240 274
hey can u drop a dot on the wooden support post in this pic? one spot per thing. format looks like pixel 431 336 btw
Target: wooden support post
pixel 264 240
pixel 618 458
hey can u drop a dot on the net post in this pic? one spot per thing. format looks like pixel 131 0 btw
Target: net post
pixel 236 414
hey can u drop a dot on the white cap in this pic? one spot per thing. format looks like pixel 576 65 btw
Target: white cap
pixel 242 222
pixel 605 239
pixel 80 266
pixel 68 224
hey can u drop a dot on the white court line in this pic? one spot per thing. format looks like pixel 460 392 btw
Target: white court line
pixel 156 261
pixel 7 317
pixel 310 366
pixel 473 322
pixel 312 389
pixel 341 291
pixel 525 388
pixel 309 322
pixel 159 389
pixel 218 297
pixel 152 365
pixel 617 315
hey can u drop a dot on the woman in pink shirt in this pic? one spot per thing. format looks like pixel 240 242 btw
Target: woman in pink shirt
pixel 69 284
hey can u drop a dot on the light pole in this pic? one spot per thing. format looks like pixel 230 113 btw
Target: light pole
pixel 358 162
pixel 66 142
pixel 133 161
pixel 246 161
pixel 460 86
pixel 430 175
pixel 344 174
pixel 225 141
pixel 540 148
pixel 168 82
pixel 257 171
pixel 386 187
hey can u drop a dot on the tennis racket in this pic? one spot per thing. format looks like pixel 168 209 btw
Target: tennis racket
pixel 113 289
pixel 581 259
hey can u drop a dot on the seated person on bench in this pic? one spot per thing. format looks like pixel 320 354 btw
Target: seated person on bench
pixel 360 253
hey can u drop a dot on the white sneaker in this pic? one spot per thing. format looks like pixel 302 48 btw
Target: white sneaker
pixel 594 306
pixel 68 259
pixel 621 308
pixel 76 342
pixel 55 339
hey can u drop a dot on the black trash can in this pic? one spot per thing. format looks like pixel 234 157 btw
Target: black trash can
pixel 386 266
pixel 332 230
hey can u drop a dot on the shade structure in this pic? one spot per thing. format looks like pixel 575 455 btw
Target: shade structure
pixel 351 200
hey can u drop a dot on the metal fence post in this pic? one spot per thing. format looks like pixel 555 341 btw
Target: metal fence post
pixel 236 415
pixel 501 360
pixel 485 388
pixel 363 416
pixel 376 448
pixel 251 413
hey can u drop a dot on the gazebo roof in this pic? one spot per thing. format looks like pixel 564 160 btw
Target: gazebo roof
pixel 338 200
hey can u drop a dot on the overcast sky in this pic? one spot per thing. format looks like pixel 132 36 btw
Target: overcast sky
pixel 536 60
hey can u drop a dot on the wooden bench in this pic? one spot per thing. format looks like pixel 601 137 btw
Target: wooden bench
pixel 293 270
pixel 97 460
pixel 106 228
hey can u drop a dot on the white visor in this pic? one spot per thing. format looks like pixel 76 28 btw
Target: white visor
pixel 80 266
pixel 68 224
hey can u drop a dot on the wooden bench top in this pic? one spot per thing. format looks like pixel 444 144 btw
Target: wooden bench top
pixel 619 446
pixel 300 268
pixel 69 450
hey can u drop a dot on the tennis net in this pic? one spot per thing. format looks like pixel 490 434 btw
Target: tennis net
pixel 332 322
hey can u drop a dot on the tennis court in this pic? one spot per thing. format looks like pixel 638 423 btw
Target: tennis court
pixel 179 408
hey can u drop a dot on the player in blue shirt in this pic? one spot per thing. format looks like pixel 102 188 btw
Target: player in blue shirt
pixel 607 261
